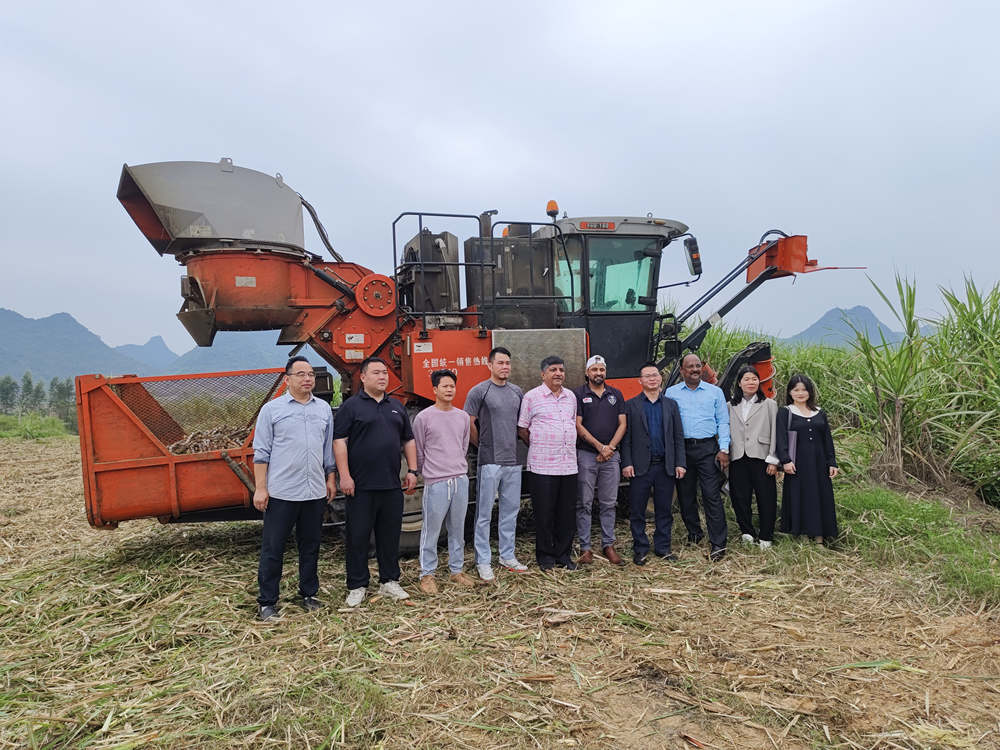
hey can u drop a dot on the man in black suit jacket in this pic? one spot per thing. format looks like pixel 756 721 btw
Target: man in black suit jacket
pixel 652 457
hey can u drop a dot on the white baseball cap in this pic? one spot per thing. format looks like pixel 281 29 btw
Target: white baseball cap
pixel 597 359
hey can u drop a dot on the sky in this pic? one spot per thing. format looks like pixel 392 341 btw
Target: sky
pixel 871 127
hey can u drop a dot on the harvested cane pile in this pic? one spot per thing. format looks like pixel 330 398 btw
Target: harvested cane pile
pixel 203 441
pixel 145 637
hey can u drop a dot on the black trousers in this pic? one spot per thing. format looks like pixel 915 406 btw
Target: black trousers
pixel 381 511
pixel 748 476
pixel 704 472
pixel 553 503
pixel 662 485
pixel 307 518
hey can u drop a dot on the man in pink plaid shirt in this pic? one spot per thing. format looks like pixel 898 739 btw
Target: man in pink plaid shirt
pixel 547 423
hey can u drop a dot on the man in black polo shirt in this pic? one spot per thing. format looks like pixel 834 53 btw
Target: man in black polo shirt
pixel 600 425
pixel 369 431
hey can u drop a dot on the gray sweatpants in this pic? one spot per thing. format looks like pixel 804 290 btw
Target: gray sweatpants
pixel 603 477
pixel 445 503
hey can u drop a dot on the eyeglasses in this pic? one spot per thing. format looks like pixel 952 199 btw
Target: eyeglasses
pixel 309 374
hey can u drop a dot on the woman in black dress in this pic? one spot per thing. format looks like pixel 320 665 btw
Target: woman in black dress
pixel 807 505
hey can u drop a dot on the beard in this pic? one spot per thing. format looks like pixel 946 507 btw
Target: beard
pixel 595 379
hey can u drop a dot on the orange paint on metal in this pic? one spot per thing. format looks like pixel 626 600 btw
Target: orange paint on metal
pixel 628 386
pixel 376 295
pixel 462 351
pixel 789 254
pixel 128 471
pixel 766 372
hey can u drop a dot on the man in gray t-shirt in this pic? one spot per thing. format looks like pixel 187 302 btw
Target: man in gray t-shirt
pixel 494 405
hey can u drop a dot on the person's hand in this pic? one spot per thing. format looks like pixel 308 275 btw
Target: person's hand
pixel 409 482
pixel 628 472
pixel 600 459
pixel 606 451
pixel 260 498
pixel 834 471
pixel 331 487
pixel 680 471
pixel 771 470
pixel 723 458
pixel 347 485
pixel 789 468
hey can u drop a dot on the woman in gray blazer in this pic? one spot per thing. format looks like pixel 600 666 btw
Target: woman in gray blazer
pixel 753 462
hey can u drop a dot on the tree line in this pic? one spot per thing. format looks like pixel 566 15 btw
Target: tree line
pixel 30 396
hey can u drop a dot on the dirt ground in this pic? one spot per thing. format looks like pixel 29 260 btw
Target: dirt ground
pixel 799 647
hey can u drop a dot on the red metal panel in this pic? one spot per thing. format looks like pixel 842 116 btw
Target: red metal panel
pixel 789 254
pixel 461 351
pixel 210 483
pixel 628 386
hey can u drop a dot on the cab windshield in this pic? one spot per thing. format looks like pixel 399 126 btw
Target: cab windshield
pixel 621 272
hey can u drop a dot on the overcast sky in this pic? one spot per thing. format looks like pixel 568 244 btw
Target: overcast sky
pixel 872 127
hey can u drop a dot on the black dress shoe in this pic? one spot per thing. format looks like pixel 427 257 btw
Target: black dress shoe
pixel 668 556
pixel 310 603
pixel 717 554
pixel 639 559
pixel 267 612
pixel 570 565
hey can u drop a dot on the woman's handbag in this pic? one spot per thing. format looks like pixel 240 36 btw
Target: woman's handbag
pixel 793 437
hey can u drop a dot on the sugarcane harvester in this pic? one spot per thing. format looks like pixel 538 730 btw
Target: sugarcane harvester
pixel 566 286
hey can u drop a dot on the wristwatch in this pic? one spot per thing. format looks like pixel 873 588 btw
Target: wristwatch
pixel 414 472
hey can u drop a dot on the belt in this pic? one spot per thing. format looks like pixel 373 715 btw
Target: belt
pixel 699 441
pixel 657 459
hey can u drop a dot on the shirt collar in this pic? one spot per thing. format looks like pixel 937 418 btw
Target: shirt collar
pixel 700 386
pixel 290 397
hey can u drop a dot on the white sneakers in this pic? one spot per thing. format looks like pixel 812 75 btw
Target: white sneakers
pixel 747 539
pixel 393 590
pixel 514 566
pixel 765 544
pixel 485 572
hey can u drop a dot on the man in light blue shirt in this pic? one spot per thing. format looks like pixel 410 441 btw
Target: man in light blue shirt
pixel 705 417
pixel 293 472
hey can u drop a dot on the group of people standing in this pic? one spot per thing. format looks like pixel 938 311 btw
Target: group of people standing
pixel 579 443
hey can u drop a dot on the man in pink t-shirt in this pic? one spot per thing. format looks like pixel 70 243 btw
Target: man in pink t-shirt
pixel 442 435
pixel 547 423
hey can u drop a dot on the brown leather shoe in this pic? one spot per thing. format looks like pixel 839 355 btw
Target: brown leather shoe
pixel 463 580
pixel 586 558
pixel 613 557
pixel 428 585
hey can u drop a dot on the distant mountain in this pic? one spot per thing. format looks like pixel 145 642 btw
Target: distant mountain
pixel 155 353
pixel 234 350
pixel 833 328
pixel 57 346
pixel 60 346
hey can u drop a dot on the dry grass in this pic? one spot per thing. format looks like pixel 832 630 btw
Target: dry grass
pixel 145 636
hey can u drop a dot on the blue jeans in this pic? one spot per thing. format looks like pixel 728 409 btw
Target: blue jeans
pixel 445 503
pixel 493 480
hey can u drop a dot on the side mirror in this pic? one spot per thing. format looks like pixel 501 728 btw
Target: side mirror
pixel 693 255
